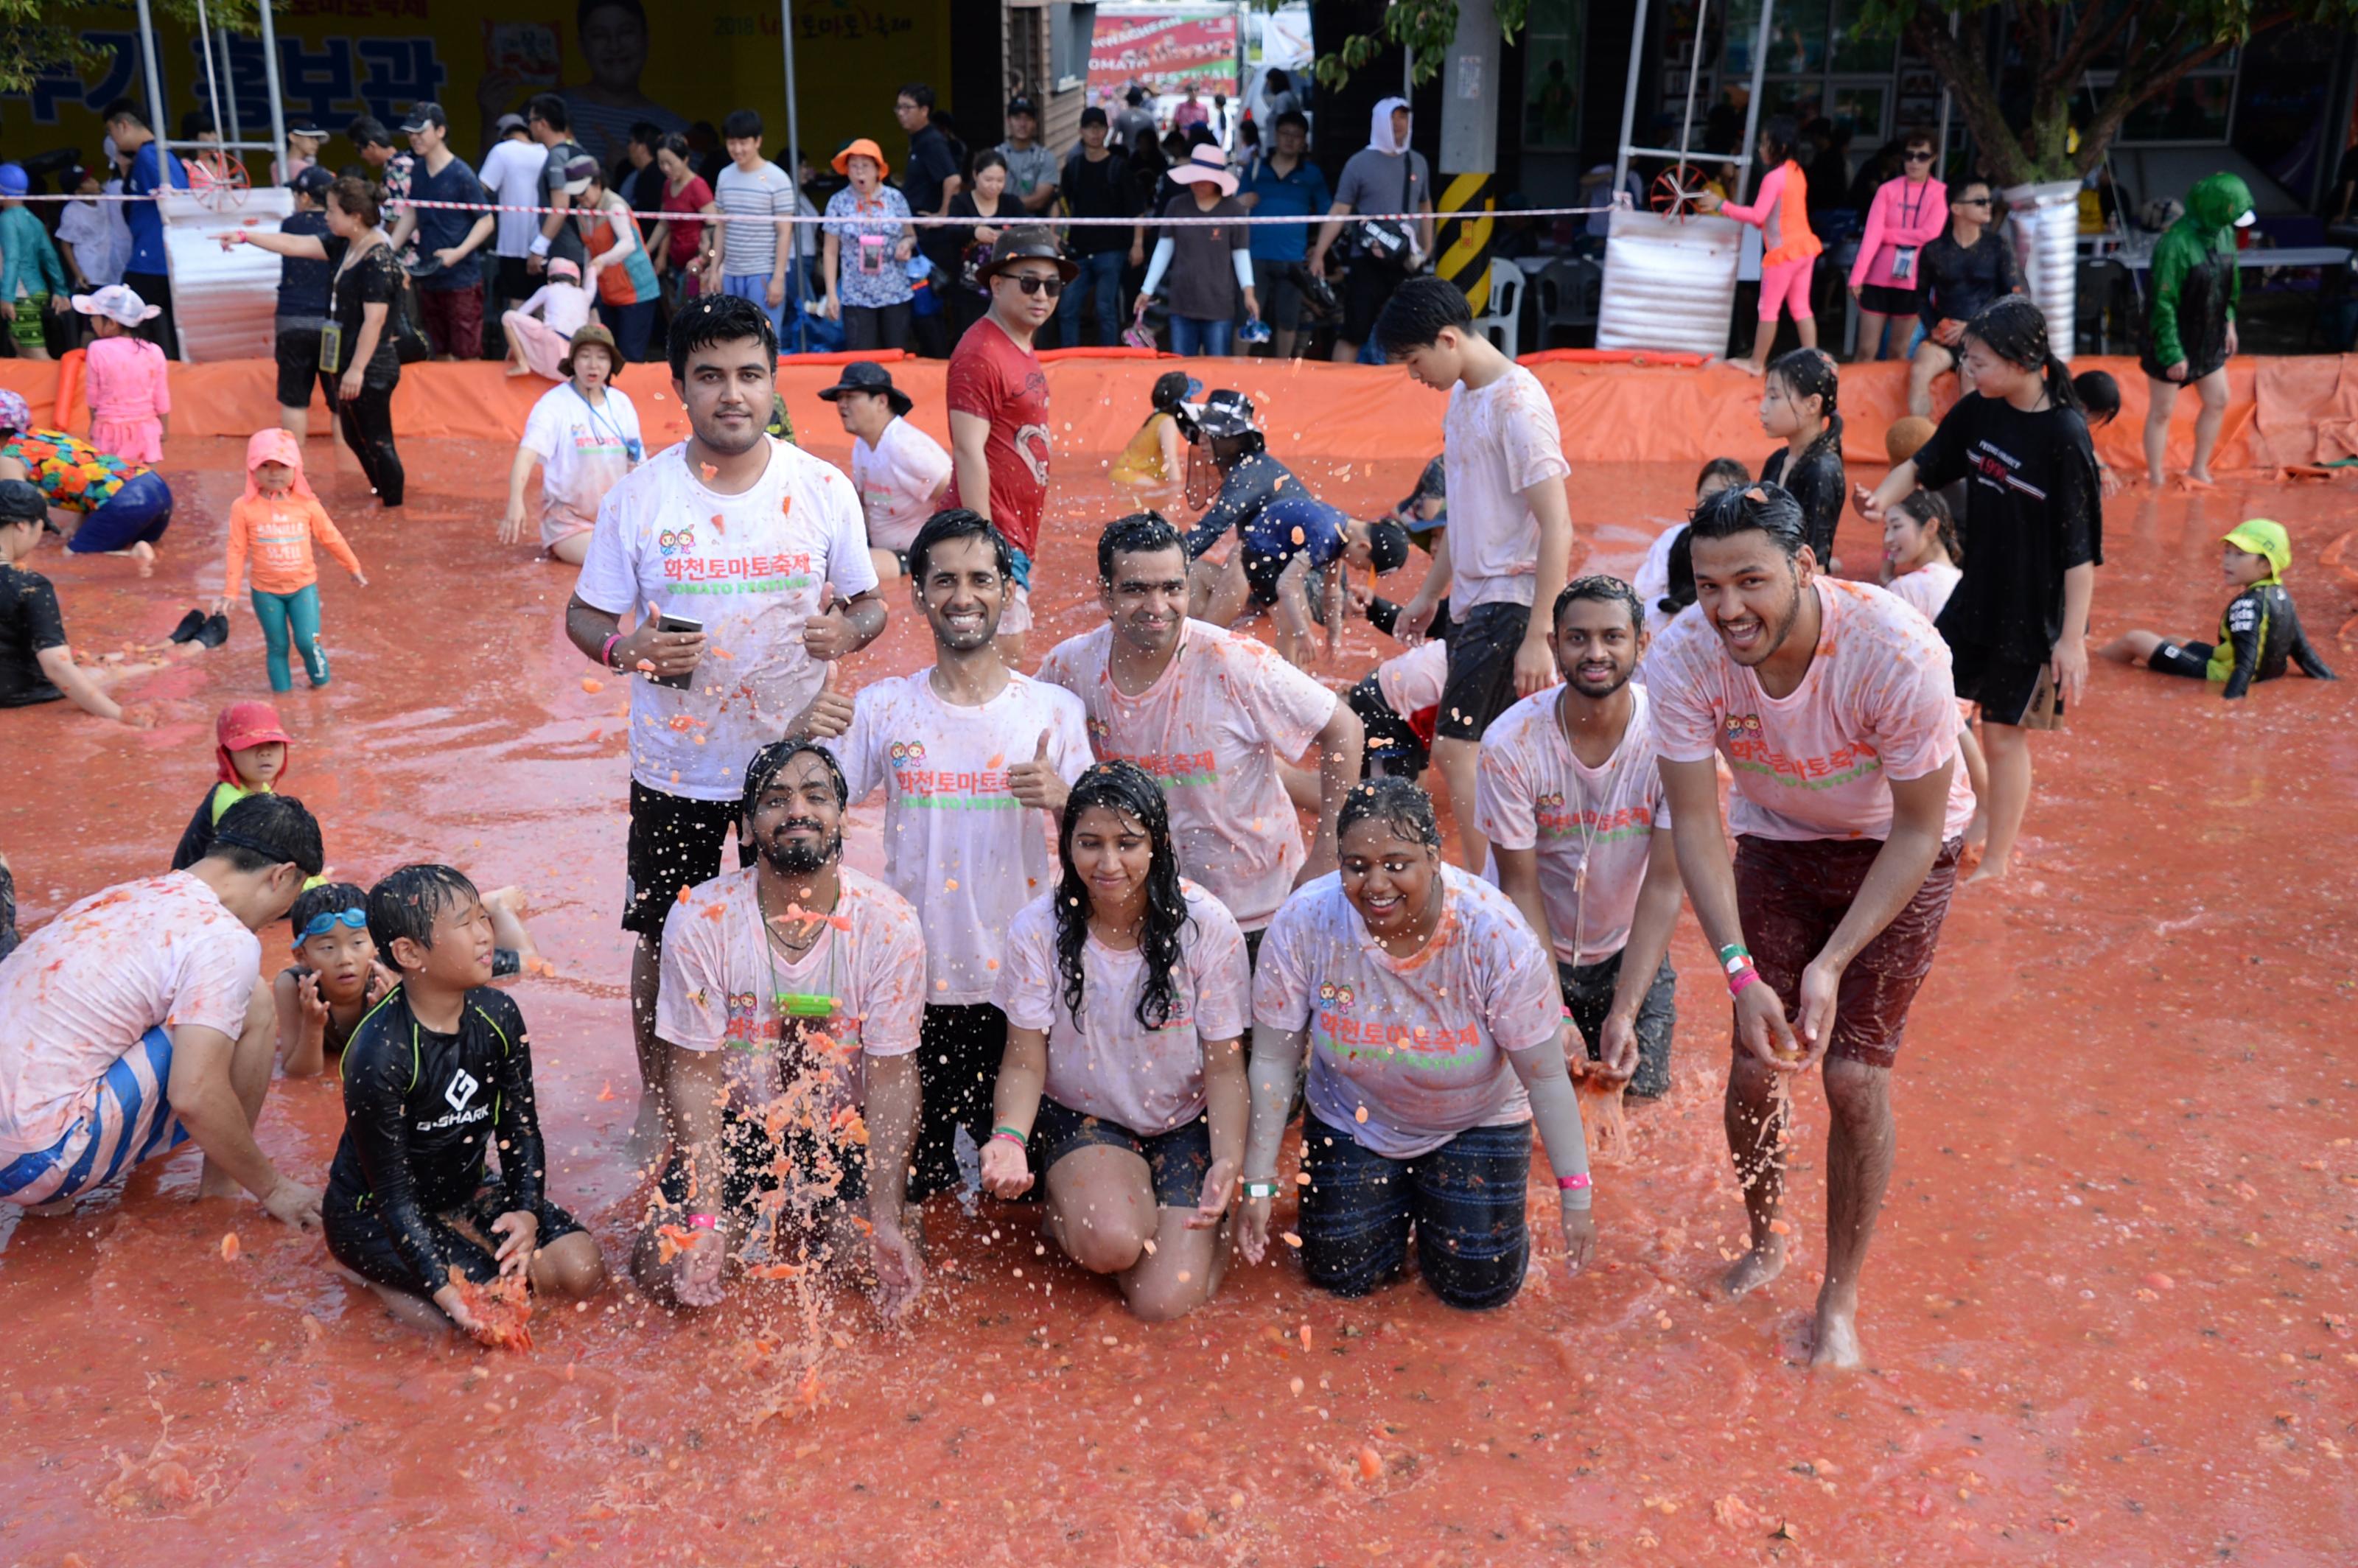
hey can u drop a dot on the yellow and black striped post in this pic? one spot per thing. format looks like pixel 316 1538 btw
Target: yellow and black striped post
pixel 1462 235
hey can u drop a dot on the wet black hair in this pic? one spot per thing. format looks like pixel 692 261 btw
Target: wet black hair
pixel 1387 545
pixel 1417 311
pixel 1927 507
pixel 1767 506
pixel 1141 533
pixel 1170 391
pixel 2015 329
pixel 2100 395
pixel 408 902
pixel 770 758
pixel 711 319
pixel 1125 788
pixel 1603 589
pixel 265 830
pixel 1680 572
pixel 1397 803
pixel 1729 469
pixel 1810 373
pixel 739 123
pixel 327 898
pixel 958 522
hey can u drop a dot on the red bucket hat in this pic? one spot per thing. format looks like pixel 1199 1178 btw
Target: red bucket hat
pixel 244 726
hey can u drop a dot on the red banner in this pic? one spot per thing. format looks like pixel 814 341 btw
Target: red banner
pixel 1164 53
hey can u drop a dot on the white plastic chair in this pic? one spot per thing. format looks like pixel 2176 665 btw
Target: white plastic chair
pixel 1498 323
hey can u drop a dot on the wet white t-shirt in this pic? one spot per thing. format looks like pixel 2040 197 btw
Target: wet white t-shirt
pixel 1105 1063
pixel 1497 442
pixel 1928 587
pixel 720 986
pixel 898 479
pixel 751 567
pixel 958 845
pixel 81 990
pixel 1210 731
pixel 584 452
pixel 1406 1053
pixel 1531 792
pixel 1412 682
pixel 1877 704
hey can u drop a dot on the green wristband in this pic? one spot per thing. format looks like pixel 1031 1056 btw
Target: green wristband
pixel 1020 1140
pixel 1260 1189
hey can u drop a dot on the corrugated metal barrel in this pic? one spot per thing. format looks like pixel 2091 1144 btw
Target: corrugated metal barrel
pixel 1669 285
pixel 224 302
pixel 2046 219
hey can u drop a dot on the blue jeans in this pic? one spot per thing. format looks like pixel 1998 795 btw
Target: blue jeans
pixel 1465 1199
pixel 136 514
pixel 298 612
pixel 755 287
pixel 1191 336
pixel 634 325
pixel 1100 281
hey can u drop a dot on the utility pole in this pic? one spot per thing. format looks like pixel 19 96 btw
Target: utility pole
pixel 1469 154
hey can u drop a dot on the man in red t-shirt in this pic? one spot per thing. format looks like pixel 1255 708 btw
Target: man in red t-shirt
pixel 998 409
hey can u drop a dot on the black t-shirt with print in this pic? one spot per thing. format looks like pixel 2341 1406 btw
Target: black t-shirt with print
pixel 2033 510
pixel 29 622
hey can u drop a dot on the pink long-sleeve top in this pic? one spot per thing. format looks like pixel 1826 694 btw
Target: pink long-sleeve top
pixel 1900 215
pixel 1781 214
pixel 126 383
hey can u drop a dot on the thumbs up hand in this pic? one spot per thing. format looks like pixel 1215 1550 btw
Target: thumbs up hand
pixel 829 634
pixel 1036 783
pixel 829 713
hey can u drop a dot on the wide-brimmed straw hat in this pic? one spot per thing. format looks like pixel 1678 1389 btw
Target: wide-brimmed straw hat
pixel 1206 162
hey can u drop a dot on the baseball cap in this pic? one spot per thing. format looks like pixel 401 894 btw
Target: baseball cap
pixel 424 115
pixel 507 123
pixel 2262 536
pixel 1021 104
pixel 1094 115
pixel 313 181
pixel 244 725
pixel 21 502
pixel 307 127
pixel 579 173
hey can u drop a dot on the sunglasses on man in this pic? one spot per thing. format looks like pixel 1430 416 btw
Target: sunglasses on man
pixel 1029 284
pixel 1919 156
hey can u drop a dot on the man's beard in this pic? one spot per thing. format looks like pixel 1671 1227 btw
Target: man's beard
pixel 797 858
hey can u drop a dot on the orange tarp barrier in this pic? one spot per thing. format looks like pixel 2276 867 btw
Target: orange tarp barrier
pixel 2282 410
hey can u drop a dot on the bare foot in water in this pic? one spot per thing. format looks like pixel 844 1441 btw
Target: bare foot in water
pixel 1754 1269
pixel 143 555
pixel 1836 1340
pixel 1987 871
pixel 2195 479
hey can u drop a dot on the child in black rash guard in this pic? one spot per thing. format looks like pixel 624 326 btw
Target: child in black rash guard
pixel 2259 632
pixel 1797 402
pixel 437 1073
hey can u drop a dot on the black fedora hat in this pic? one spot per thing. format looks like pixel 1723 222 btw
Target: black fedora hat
pixel 866 375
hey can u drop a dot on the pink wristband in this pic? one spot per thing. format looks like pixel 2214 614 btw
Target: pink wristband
pixel 1741 978
pixel 606 649
pixel 1572 1184
pixel 704 1222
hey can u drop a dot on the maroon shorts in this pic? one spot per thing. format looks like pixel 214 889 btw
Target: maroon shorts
pixel 1793 894
pixel 453 318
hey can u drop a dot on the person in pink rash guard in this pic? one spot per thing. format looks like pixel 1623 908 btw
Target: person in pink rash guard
pixel 1789 253
pixel 1907 214
pixel 124 380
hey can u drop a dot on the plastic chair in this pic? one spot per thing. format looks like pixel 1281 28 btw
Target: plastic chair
pixel 1569 292
pixel 1500 321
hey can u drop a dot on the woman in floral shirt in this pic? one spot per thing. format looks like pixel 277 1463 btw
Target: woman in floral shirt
pixel 868 243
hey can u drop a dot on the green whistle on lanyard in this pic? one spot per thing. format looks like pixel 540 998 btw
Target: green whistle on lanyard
pixel 805 1004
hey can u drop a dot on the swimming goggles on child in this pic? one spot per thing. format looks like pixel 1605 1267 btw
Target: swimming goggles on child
pixel 327 920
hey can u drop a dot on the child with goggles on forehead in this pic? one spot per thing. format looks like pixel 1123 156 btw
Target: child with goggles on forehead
pixel 336 977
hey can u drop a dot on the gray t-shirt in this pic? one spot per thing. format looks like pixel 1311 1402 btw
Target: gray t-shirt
pixel 1379 182
pixel 567 243
pixel 750 248
pixel 1131 129
pixel 1028 169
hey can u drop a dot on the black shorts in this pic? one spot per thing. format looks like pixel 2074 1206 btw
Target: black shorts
pixel 1393 746
pixel 1886 300
pixel 1481 684
pixel 1365 291
pixel 958 1053
pixel 1176 1160
pixel 2192 659
pixel 2001 683
pixel 748 1167
pixel 1262 569
pixel 359 1239
pixel 1280 288
pixel 297 351
pixel 1588 991
pixel 675 843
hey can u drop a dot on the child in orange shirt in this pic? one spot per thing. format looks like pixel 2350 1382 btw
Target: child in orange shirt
pixel 275 521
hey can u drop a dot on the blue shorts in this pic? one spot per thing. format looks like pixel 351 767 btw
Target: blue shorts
pixel 755 287
pixel 131 1120
pixel 135 514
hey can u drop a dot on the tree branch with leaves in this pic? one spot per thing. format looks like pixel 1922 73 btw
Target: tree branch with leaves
pixel 44 38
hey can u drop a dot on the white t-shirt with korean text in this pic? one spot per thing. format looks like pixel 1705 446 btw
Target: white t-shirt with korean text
pixel 584 450
pixel 1497 442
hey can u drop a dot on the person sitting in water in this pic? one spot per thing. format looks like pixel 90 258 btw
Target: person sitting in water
pixel 1123 1084
pixel 898 469
pixel 102 504
pixel 437 1074
pixel 1429 1012
pixel 1156 458
pixel 335 978
pixel 1283 532
pixel 584 434
pixel 136 1024
pixel 2259 632
pixel 789 1018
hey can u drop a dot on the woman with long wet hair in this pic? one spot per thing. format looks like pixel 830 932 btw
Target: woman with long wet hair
pixel 1436 1039
pixel 1125 991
